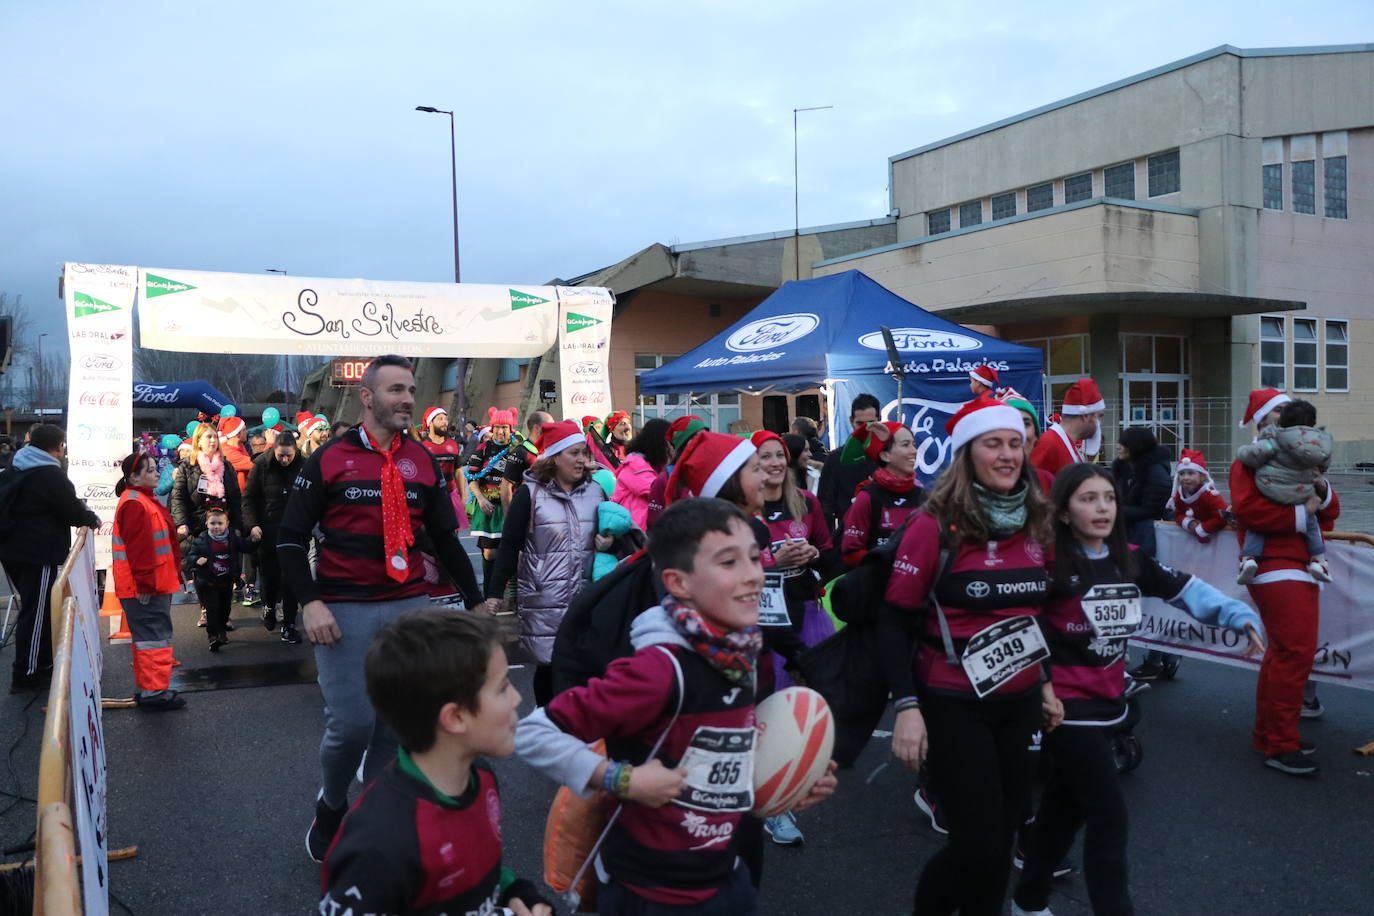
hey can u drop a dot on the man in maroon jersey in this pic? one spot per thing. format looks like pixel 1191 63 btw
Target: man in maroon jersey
pixel 370 492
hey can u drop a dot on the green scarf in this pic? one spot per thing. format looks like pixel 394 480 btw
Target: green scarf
pixel 1005 512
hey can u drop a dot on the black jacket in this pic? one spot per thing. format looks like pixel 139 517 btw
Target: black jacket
pixel 269 487
pixel 838 482
pixel 222 563
pixel 188 504
pixel 1144 484
pixel 38 509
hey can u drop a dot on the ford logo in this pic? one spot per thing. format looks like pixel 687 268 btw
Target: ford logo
pixel 586 367
pixel 100 361
pixel 769 333
pixel 920 340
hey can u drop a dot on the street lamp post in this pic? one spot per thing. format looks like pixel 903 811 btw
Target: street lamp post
pixel 796 190
pixel 460 398
pixel 40 370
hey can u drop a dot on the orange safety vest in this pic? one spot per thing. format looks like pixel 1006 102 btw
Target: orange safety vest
pixel 167 578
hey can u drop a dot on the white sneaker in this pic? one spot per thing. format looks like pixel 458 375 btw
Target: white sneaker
pixel 1249 566
pixel 1017 911
pixel 1319 569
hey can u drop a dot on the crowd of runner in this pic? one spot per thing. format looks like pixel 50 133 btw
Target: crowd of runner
pixel 1009 587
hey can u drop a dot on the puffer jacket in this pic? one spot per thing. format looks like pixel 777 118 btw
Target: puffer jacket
pixel 554 563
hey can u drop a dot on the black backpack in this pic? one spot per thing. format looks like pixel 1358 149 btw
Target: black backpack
pixel 595 631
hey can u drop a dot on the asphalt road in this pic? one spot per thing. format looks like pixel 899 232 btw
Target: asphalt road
pixel 218 796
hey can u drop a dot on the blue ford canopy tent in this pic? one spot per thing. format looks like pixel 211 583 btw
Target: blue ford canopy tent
pixel 201 395
pixel 823 333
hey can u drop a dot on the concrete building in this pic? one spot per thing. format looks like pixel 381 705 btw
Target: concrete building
pixel 1183 236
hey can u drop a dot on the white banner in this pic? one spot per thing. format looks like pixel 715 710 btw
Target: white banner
pixel 211 312
pixel 100 306
pixel 584 351
pixel 87 738
pixel 1345 637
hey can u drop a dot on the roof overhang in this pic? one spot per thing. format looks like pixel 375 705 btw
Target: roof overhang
pixel 1078 305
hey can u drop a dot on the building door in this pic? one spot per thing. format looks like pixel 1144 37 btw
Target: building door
pixel 775 417
pixel 1154 387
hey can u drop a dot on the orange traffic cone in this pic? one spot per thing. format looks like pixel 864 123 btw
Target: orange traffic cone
pixel 110 606
pixel 121 635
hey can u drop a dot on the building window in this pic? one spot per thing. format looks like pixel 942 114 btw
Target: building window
pixel 937 221
pixel 1273 187
pixel 1272 362
pixel 1333 184
pixel 1078 187
pixel 1304 354
pixel 1163 173
pixel 1066 361
pixel 718 410
pixel 1004 206
pixel 970 214
pixel 1337 356
pixel 1040 197
pixel 1304 187
pixel 1119 181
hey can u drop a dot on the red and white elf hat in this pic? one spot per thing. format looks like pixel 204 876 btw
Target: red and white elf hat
pixel 986 376
pixel 1084 398
pixel 229 427
pixel 555 437
pixel 427 418
pixel 308 424
pixel 981 416
pixel 1261 402
pixel 707 461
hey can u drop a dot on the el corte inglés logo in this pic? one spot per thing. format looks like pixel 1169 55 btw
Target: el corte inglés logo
pixel 90 305
pixel 161 286
pixel 578 322
pixel 519 300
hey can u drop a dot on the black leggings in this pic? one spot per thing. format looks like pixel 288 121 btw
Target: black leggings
pixel 274 587
pixel 216 598
pixel 1083 791
pixel 980 769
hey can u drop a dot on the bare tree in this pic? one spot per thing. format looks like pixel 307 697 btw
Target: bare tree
pixel 245 379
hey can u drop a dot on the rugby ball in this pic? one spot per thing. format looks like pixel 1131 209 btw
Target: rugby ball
pixel 796 734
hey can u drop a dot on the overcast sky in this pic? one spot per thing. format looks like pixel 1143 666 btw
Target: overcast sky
pixel 247 135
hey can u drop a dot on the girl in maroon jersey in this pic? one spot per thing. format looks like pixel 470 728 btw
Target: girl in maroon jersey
pixel 882 502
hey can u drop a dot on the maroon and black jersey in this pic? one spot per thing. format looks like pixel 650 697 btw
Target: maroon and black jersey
pixel 874 514
pixel 683 852
pixel 339 489
pixel 406 850
pixel 448 454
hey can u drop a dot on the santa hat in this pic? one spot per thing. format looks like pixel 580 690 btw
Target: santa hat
pixel 980 416
pixel 875 437
pixel 229 427
pixel 1190 460
pixel 1261 402
pixel 1084 398
pixel 985 375
pixel 763 435
pixel 502 417
pixel 706 463
pixel 555 437
pixel 185 446
pixel 427 418
pixel 681 431
pixel 1018 400
pixel 309 424
pixel 614 419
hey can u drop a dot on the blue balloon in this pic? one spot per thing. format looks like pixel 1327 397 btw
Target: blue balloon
pixel 229 410
pixel 171 441
pixel 271 416
pixel 191 428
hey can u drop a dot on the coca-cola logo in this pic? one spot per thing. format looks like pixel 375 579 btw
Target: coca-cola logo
pixel 98 399
pixel 97 491
pixel 583 397
pixel 101 362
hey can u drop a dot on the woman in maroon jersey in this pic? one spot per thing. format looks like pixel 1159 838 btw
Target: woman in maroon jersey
pixel 883 501
pixel 976 691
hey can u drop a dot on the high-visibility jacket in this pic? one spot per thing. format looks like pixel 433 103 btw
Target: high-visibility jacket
pixel 144 552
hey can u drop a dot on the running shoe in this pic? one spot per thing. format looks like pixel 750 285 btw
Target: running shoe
pixel 782 828
pixel 1306 748
pixel 1313 708
pixel 251 597
pixel 290 635
pixel 269 617
pixel 1169 667
pixel 323 828
pixel 926 803
pixel 167 700
pixel 1294 763
pixel 1147 671
pixel 202 622
pixel 228 624
pixel 1062 870
pixel 1017 911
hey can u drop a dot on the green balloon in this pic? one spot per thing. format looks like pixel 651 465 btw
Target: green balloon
pixel 191 428
pixel 271 416
pixel 229 410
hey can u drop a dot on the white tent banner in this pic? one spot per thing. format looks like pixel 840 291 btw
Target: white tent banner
pixel 100 305
pixel 212 312
pixel 584 347
pixel 1345 636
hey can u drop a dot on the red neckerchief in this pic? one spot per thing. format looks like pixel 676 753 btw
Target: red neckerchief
pixel 397 535
pixel 890 481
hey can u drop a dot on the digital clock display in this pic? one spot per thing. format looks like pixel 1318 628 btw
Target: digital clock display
pixel 347 371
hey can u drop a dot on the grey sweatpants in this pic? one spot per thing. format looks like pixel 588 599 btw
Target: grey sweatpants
pixel 350 725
